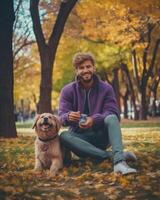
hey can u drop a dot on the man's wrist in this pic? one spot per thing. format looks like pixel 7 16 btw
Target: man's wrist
pixel 91 121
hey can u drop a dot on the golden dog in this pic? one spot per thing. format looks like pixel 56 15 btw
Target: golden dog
pixel 48 154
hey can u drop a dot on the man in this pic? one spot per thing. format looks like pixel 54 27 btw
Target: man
pixel 95 98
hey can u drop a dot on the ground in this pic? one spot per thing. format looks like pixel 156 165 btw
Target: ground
pixel 83 179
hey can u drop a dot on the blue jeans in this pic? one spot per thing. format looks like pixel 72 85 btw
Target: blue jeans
pixel 93 144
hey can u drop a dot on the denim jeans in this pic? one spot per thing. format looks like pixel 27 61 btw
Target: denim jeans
pixel 93 144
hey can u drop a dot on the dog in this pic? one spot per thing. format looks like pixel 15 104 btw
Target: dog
pixel 48 154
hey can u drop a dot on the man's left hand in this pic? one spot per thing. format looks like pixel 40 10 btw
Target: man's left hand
pixel 87 124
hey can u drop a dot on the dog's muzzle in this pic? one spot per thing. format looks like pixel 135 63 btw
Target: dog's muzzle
pixel 45 125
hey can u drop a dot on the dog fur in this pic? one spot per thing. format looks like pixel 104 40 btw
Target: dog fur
pixel 48 154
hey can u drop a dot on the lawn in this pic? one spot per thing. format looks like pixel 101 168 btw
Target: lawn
pixel 83 179
pixel 125 123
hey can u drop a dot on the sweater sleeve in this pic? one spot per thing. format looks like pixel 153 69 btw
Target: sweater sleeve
pixel 110 107
pixel 65 106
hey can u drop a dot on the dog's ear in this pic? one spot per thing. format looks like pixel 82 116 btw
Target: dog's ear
pixel 58 123
pixel 36 119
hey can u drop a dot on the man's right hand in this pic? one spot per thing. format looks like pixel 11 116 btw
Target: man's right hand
pixel 74 116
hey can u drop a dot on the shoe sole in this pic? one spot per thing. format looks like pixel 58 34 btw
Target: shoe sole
pixel 126 173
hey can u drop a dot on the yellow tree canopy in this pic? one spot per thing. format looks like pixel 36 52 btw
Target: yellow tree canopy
pixel 120 21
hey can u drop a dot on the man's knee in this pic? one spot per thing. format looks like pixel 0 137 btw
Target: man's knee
pixel 65 135
pixel 111 120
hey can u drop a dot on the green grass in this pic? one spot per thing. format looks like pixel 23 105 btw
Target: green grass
pixel 24 124
pixel 131 124
pixel 140 125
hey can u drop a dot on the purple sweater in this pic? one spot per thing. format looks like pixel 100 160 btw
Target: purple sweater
pixel 101 100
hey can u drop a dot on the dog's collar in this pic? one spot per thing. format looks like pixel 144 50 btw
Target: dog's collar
pixel 49 139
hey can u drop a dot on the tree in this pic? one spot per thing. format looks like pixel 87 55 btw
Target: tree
pixel 130 89
pixel 154 87
pixel 22 30
pixel 135 23
pixel 47 49
pixel 7 122
pixel 27 78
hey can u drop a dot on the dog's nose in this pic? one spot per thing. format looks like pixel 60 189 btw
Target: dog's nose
pixel 45 119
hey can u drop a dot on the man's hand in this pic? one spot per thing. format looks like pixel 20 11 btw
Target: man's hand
pixel 74 116
pixel 87 124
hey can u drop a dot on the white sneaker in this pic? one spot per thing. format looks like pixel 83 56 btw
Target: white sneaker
pixel 129 156
pixel 123 168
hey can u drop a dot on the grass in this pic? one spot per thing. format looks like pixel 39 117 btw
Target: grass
pixel 142 125
pixel 152 122
pixel 24 124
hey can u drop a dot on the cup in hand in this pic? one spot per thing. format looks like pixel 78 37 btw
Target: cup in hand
pixel 83 118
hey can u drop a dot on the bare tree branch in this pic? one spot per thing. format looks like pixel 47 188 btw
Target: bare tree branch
pixel 65 9
pixel 37 24
pixel 145 54
pixel 26 43
pixel 18 6
pixel 154 57
pixel 135 68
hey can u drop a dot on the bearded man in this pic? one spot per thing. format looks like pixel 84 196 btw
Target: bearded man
pixel 101 128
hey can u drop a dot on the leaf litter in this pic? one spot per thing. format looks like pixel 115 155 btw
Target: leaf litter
pixel 83 179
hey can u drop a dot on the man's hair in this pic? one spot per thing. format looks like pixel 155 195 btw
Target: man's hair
pixel 79 58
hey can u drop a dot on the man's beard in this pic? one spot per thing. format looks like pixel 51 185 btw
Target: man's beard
pixel 86 80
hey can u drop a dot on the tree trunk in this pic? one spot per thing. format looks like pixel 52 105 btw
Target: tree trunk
pixel 143 107
pixel 115 84
pixel 154 88
pixel 130 84
pixel 48 50
pixel 125 99
pixel 135 69
pixel 7 120
pixel 154 108
pixel 45 85
pixel 145 76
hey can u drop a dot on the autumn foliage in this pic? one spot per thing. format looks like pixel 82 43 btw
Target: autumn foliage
pixel 119 33
pixel 83 179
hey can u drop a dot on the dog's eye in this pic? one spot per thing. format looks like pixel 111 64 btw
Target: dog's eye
pixel 50 117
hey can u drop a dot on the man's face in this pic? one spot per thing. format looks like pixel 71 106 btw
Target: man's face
pixel 85 71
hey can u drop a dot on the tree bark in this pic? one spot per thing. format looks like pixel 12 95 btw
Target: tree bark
pixel 143 107
pixel 145 76
pixel 135 68
pixel 115 84
pixel 154 88
pixel 7 121
pixel 125 99
pixel 48 50
pixel 125 69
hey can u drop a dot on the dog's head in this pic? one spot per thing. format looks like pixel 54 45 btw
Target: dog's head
pixel 46 125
